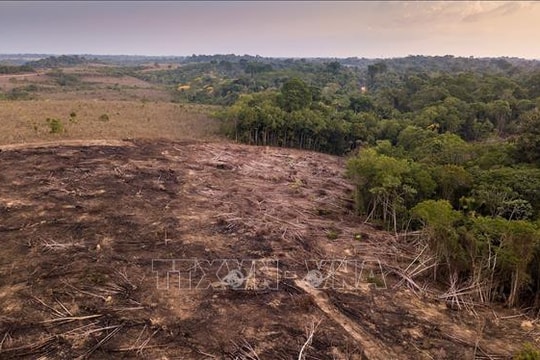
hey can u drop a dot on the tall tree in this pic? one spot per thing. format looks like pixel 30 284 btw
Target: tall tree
pixel 528 143
pixel 295 95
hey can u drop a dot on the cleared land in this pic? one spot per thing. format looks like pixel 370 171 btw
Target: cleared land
pixel 81 225
pixel 86 210
pixel 26 121
pixel 94 104
pixel 84 83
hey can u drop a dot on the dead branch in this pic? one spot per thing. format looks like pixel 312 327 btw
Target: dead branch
pixel 71 318
pixel 108 337
pixel 310 333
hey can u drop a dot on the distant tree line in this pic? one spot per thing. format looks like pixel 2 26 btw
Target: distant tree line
pixel 60 62
pixel 15 69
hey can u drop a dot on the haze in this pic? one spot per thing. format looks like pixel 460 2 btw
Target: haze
pixel 274 29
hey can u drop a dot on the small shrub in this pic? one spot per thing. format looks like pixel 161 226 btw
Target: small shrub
pixel 64 79
pixel 18 93
pixel 73 117
pixel 296 184
pixel 94 278
pixel 323 212
pixel 104 117
pixel 332 234
pixel 528 352
pixel 377 280
pixel 55 126
pixel 31 88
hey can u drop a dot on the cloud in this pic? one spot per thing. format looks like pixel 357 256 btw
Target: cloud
pixel 296 28
pixel 419 14
pixel 481 11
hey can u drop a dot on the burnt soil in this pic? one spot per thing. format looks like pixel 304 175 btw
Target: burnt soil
pixel 83 225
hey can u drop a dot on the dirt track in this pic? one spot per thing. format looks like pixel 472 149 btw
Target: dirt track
pixel 81 224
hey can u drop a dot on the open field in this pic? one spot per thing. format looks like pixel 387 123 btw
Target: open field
pixel 82 224
pixel 25 121
pixel 9 82
pixel 84 83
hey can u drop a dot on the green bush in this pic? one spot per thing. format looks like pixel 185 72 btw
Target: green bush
pixel 333 233
pixel 104 117
pixel 529 352
pixel 55 126
pixel 377 280
pixel 18 93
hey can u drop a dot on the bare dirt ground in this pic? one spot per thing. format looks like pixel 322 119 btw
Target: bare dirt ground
pixel 89 230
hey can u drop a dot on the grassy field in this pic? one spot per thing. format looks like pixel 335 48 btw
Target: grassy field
pixel 26 121
pixel 95 105
pixel 87 83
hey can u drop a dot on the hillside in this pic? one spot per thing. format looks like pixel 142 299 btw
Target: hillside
pixel 90 228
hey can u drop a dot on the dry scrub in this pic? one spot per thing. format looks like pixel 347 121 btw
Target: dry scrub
pixel 25 121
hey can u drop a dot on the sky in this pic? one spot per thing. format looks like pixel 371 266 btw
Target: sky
pixel 275 28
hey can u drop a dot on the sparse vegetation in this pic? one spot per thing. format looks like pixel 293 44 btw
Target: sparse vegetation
pixel 332 233
pixel 529 352
pixel 64 79
pixel 19 93
pixel 24 122
pixel 55 125
pixel 73 117
pixel 376 280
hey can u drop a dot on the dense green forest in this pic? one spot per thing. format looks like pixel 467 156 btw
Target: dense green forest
pixel 444 148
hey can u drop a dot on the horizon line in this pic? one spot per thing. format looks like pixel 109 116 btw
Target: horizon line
pixel 271 57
